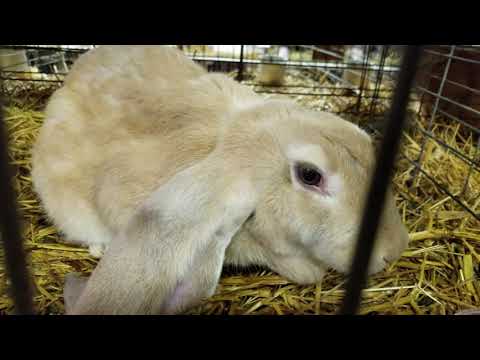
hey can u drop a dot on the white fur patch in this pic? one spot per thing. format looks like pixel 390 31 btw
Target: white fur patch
pixel 309 153
pixel 334 184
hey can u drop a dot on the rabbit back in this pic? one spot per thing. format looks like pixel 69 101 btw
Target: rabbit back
pixel 111 135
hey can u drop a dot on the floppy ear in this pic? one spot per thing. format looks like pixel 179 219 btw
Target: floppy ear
pixel 73 287
pixel 171 254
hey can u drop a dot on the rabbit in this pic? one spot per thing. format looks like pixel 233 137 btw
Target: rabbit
pixel 167 173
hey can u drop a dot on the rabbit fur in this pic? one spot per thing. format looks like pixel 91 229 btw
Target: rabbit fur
pixel 167 172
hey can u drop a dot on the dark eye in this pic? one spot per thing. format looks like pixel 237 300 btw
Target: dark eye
pixel 309 175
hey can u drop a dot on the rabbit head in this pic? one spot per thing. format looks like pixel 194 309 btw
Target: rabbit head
pixel 313 195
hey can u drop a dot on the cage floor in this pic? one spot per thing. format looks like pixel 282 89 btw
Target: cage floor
pixel 437 274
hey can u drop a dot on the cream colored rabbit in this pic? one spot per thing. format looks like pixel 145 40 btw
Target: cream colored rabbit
pixel 176 172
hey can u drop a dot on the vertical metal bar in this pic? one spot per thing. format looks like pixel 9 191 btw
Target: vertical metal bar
pixel 378 82
pixel 379 183
pixel 15 259
pixel 240 65
pixel 364 77
pixel 434 112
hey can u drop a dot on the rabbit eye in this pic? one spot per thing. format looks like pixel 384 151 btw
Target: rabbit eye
pixel 308 175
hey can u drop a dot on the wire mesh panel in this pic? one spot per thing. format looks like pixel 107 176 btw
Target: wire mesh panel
pixel 35 71
pixel 448 87
pixel 38 62
pixel 348 74
pixel 437 177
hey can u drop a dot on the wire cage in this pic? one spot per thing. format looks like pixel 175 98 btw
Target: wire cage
pixel 436 172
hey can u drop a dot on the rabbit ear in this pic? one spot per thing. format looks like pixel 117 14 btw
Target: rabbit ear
pixel 74 285
pixel 171 255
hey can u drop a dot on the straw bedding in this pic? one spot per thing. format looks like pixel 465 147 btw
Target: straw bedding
pixel 437 274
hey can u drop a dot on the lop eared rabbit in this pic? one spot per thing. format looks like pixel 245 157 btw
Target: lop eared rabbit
pixel 167 173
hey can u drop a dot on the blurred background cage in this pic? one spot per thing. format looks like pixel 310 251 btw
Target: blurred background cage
pixel 436 181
